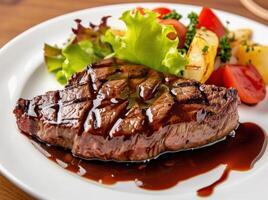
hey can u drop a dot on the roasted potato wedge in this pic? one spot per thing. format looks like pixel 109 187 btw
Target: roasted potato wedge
pixel 256 55
pixel 239 36
pixel 201 55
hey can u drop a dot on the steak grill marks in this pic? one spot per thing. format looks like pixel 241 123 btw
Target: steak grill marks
pixel 111 100
pixel 114 93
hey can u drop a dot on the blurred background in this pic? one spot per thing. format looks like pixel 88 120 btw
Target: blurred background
pixel 17 16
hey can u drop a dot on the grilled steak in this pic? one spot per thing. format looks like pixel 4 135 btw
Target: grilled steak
pixel 118 111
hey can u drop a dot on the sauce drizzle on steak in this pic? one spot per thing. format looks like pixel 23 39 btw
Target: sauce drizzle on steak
pixel 118 111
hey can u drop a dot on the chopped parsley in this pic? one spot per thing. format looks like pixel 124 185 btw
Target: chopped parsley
pixel 191 29
pixel 182 51
pixel 205 49
pixel 173 15
pixel 249 47
pixel 225 52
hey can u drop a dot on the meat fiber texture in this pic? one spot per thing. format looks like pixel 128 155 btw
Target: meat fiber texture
pixel 125 112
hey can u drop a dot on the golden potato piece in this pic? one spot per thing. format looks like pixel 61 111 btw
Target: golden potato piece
pixel 201 55
pixel 256 55
pixel 238 36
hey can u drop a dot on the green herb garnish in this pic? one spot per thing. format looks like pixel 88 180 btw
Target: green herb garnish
pixel 225 49
pixel 182 51
pixel 205 49
pixel 247 48
pixel 173 15
pixel 191 29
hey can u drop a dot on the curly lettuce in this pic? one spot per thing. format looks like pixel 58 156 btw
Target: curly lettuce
pixel 145 42
pixel 84 48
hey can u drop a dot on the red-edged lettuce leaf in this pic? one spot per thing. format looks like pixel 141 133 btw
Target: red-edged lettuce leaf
pixel 83 48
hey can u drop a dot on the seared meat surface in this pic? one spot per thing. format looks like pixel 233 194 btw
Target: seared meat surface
pixel 118 111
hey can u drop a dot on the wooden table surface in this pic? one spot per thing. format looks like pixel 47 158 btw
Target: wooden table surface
pixel 17 16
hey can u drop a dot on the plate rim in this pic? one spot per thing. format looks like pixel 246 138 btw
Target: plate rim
pixel 23 33
pixel 5 172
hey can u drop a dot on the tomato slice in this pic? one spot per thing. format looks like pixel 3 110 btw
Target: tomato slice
pixel 248 82
pixel 162 11
pixel 216 78
pixel 245 78
pixel 180 29
pixel 210 21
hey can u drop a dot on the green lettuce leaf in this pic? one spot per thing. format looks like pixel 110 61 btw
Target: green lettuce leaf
pixel 77 57
pixel 53 58
pixel 70 59
pixel 145 42
pixel 85 47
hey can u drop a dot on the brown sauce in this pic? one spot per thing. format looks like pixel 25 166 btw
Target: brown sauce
pixel 239 152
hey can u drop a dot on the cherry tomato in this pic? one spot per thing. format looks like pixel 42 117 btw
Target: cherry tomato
pixel 209 20
pixel 179 27
pixel 246 79
pixel 162 11
pixel 248 82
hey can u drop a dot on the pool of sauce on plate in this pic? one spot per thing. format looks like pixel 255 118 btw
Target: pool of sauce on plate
pixel 237 152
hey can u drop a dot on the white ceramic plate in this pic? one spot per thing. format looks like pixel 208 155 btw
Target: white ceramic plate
pixel 22 74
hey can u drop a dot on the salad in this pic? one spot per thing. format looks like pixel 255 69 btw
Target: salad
pixel 204 49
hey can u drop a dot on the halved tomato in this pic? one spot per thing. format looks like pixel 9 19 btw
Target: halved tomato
pixel 245 78
pixel 216 78
pixel 248 82
pixel 210 21
pixel 179 27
